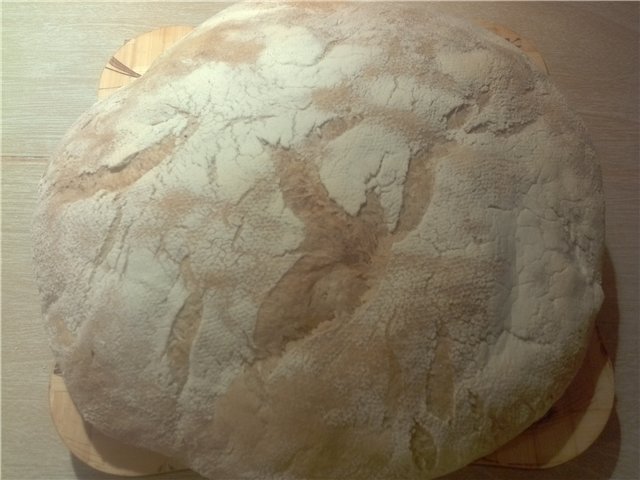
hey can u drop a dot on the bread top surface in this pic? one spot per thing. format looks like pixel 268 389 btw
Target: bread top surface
pixel 350 240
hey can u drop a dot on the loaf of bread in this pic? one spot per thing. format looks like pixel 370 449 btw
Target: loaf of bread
pixel 323 240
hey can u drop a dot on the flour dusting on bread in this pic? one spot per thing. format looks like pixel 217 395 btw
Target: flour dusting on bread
pixel 323 240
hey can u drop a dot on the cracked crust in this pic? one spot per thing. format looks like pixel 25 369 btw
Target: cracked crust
pixel 315 240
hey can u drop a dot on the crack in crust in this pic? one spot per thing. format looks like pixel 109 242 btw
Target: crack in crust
pixel 343 256
pixel 183 331
pixel 334 271
pixel 423 448
pixel 72 187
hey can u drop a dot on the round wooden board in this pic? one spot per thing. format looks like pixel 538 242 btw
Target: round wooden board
pixel 568 429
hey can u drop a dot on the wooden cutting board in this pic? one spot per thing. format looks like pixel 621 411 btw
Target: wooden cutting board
pixel 568 429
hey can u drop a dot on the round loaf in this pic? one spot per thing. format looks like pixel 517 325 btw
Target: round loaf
pixel 316 240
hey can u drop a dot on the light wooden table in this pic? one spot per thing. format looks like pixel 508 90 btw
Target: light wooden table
pixel 53 54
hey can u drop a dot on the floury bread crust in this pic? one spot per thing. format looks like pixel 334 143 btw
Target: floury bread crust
pixel 323 241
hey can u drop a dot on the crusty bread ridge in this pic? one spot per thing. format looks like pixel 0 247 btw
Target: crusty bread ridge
pixel 318 240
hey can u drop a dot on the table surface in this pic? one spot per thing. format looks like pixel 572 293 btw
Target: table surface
pixel 53 54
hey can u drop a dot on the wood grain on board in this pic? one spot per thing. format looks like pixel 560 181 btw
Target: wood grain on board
pixel 135 57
